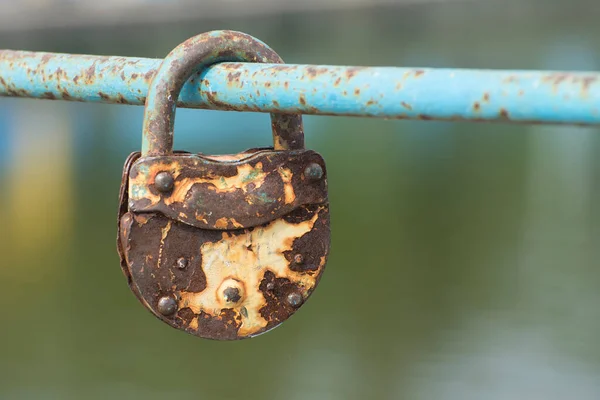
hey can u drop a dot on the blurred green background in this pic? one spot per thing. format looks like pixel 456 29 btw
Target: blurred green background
pixel 464 259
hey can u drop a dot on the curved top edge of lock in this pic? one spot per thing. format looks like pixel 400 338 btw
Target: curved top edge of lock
pixel 190 57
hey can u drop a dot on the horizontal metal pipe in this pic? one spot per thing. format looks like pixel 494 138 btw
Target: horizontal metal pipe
pixel 386 92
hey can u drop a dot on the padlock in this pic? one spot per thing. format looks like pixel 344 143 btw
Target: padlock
pixel 222 247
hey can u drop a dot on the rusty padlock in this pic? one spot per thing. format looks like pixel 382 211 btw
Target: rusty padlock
pixel 222 247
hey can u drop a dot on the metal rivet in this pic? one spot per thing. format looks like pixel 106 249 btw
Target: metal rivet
pixel 313 172
pixel 164 182
pixel 167 305
pixel 232 295
pixel 294 299
pixel 182 263
pixel 298 259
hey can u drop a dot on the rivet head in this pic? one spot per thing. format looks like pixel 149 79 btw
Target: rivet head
pixel 294 299
pixel 231 292
pixel 182 263
pixel 298 259
pixel 167 305
pixel 313 172
pixel 164 182
pixel 231 295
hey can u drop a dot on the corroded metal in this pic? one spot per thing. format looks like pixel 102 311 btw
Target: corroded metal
pixel 222 247
pixel 211 194
pixel 401 93
pixel 234 283
pixel 192 56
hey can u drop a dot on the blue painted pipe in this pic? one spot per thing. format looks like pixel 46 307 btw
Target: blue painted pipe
pixel 385 92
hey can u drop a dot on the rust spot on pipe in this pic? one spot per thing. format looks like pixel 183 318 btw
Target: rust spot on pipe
pixel 587 82
pixel 65 94
pixel 504 114
pixel 476 106
pixel 337 81
pixel 302 100
pixel 233 77
pixel 286 84
pixel 351 72
pixel 311 72
pixel 486 97
pixel 406 105
pixel 149 75
pixel 357 91
pixel 90 74
pixel 419 73
pixel 103 96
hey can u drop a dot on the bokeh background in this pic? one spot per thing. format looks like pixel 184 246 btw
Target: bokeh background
pixel 464 259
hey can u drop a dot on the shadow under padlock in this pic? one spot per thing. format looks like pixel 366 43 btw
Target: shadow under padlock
pixel 222 247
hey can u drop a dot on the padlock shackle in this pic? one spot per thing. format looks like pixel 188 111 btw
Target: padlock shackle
pixel 190 57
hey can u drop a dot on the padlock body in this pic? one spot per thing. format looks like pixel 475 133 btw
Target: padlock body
pixel 234 247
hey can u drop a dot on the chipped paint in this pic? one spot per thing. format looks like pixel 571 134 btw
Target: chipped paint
pixel 237 223
pixel 213 194
pixel 246 258
pixel 528 96
pixel 286 176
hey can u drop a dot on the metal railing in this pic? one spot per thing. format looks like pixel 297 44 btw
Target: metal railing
pixel 385 92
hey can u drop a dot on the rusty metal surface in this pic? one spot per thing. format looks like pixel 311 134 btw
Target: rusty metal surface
pixel 193 56
pixel 222 247
pixel 223 284
pixel 213 194
pixel 401 93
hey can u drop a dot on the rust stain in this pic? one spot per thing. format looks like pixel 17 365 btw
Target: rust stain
pixel 406 105
pixel 233 78
pixel 229 258
pixel 352 72
pixel 288 188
